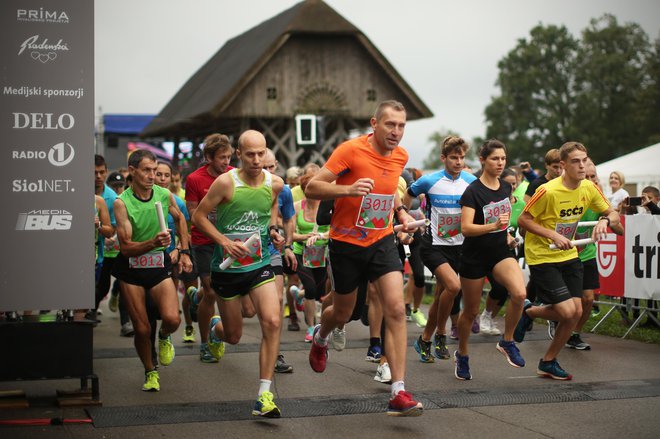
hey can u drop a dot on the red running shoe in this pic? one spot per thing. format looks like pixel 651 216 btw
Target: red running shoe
pixel 318 355
pixel 403 404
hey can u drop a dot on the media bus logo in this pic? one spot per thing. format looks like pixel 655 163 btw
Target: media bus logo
pixel 44 219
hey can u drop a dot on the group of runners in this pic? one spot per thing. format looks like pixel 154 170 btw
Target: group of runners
pixel 246 233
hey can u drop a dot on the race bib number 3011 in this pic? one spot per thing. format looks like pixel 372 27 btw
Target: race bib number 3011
pixel 375 212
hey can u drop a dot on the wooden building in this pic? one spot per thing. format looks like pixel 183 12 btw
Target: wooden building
pixel 306 60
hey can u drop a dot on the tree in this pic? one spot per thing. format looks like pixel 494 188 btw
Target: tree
pixel 601 90
pixel 611 82
pixel 533 111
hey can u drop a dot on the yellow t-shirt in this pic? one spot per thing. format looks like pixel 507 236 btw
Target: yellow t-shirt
pixel 297 193
pixel 558 208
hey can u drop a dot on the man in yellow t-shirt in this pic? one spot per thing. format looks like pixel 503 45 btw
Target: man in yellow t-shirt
pixel 551 217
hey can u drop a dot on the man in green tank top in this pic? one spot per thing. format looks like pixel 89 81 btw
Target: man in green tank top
pixel 245 200
pixel 143 265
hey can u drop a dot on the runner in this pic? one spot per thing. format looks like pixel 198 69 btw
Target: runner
pixel 551 217
pixel 553 170
pixel 366 170
pixel 485 213
pixel 245 202
pixel 143 266
pixel 442 241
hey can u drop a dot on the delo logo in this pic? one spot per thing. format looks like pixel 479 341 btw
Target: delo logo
pixel 60 154
pixel 43 121
pixel 44 220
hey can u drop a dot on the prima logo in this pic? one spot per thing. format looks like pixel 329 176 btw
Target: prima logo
pixel 44 220
pixel 58 155
pixel 41 15
pixel 42 51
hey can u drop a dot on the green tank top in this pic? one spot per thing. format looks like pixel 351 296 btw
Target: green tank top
pixel 303 227
pixel 247 212
pixel 142 214
pixel 587 252
pixel 516 210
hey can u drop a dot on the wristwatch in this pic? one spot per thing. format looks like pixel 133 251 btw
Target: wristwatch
pixel 606 219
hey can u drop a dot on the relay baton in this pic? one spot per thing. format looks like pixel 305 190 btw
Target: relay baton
pixel 576 243
pixel 412 225
pixel 161 217
pixel 230 260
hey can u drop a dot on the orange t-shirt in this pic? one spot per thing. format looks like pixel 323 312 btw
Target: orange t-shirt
pixel 364 220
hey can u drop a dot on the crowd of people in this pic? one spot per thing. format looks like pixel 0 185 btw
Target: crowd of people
pixel 331 242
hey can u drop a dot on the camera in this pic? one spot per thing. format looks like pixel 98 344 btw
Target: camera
pixel 634 201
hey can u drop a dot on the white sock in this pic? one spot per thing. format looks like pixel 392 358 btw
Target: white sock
pixel 397 387
pixel 320 340
pixel 264 386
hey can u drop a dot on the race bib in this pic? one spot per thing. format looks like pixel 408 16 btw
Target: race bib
pixel 154 259
pixel 254 255
pixel 375 212
pixel 448 225
pixel 567 230
pixel 314 256
pixel 492 212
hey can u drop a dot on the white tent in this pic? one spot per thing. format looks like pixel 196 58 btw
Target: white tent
pixel 640 169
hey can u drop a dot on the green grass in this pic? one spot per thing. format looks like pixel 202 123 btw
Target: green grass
pixel 613 326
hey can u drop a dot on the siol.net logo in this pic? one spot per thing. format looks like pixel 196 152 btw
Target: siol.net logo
pixel 44 220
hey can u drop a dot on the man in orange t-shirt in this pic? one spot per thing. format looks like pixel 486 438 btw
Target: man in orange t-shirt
pixel 362 248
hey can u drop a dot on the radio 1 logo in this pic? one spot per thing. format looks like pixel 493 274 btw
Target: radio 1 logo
pixel 45 219
pixel 58 155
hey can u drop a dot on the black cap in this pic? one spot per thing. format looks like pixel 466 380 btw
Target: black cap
pixel 115 177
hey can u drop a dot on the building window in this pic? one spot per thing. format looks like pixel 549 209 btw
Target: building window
pixel 271 93
pixel 371 95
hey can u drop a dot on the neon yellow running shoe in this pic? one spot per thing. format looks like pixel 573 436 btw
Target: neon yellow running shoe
pixel 166 352
pixel 266 407
pixel 216 346
pixel 189 334
pixel 151 383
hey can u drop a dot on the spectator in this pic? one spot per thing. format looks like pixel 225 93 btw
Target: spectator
pixel 617 181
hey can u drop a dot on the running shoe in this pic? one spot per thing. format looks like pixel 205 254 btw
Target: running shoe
pixel 216 346
pixel 453 333
pixel 521 327
pixel 511 352
pixel 127 330
pixel 205 354
pixel 339 339
pixel 265 406
pixel 441 352
pixel 189 334
pixel 113 302
pixel 151 381
pixel 191 293
pixel 297 297
pixel 166 352
pixel 293 324
pixel 487 324
pixel 318 355
pixel 475 326
pixel 383 374
pixel 595 311
pixel 309 336
pixel 576 342
pixel 403 404
pixel 418 317
pixel 462 369
pixel 282 366
pixel 552 327
pixel 423 348
pixel 552 369
pixel 374 353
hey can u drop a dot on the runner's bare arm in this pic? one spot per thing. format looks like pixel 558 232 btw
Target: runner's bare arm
pixel 129 247
pixel 321 188
pixel 610 218
pixel 277 239
pixel 526 221
pixel 105 225
pixel 184 260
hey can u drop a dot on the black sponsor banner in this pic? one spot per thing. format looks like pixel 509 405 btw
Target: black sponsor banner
pixel 47 131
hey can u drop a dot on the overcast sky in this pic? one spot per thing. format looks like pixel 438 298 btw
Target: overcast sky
pixel 446 50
